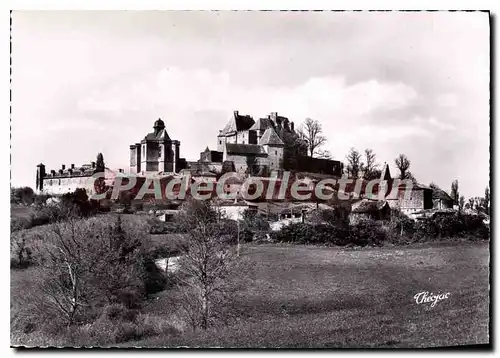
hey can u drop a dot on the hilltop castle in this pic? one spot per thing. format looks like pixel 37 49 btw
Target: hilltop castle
pixel 244 145
pixel 262 144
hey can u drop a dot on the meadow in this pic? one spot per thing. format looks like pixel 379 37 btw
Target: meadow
pixel 304 296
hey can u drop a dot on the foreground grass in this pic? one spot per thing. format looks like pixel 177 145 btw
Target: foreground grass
pixel 306 296
pixel 327 297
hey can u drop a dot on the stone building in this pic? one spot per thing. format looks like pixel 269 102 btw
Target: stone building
pixel 407 201
pixel 157 153
pixel 67 180
pixel 261 144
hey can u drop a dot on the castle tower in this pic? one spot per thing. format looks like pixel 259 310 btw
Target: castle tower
pixel 274 147
pixel 156 152
pixel 40 174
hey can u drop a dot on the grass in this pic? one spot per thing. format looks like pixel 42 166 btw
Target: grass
pixel 20 211
pixel 301 296
pixel 323 297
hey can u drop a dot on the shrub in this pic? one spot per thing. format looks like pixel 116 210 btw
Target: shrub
pixel 24 195
pixel 303 233
pixel 454 225
pixel 19 223
pixel 366 232
pixel 122 326
pixel 21 252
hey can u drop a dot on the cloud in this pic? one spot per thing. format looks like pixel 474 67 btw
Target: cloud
pixel 414 83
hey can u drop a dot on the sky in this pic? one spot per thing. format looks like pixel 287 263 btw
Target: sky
pixel 416 83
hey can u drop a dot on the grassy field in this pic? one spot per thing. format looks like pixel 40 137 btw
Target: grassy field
pixel 310 296
pixel 20 211
pixel 300 296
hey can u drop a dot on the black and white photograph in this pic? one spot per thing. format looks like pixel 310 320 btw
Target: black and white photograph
pixel 250 179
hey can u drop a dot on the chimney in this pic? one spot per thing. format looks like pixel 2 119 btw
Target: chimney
pixel 93 164
pixel 236 113
pixel 292 126
pixel 63 167
pixel 274 115
pixel 53 172
pixel 120 170
pixel 72 166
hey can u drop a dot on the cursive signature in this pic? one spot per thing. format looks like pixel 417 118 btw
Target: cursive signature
pixel 425 297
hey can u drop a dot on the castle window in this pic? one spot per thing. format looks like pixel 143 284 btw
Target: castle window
pixel 220 142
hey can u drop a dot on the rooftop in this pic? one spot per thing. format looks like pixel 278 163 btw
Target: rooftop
pixel 270 137
pixel 245 149
pixel 238 123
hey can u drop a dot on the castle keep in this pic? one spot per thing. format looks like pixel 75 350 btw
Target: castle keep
pixel 156 153
pixel 260 143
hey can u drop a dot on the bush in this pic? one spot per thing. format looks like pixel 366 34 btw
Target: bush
pixel 19 223
pixel 303 233
pixel 21 253
pixel 366 232
pixel 455 225
pixel 118 325
pixel 24 195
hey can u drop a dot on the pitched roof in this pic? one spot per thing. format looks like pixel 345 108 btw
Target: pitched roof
pixel 440 194
pixel 385 173
pixel 262 124
pixel 270 137
pixel 368 206
pixel 238 123
pixel 161 135
pixel 245 149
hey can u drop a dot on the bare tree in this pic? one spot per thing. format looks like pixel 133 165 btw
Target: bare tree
pixel 324 154
pixel 370 166
pixel 311 131
pixel 87 264
pixel 207 260
pixel 354 163
pixel 403 164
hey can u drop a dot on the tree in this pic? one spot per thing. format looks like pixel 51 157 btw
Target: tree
pixel 324 154
pixel 87 264
pixel 370 166
pixel 486 201
pixel 403 164
pixel 24 195
pixel 100 183
pixel 354 163
pixel 461 203
pixel 100 166
pixel 294 147
pixel 454 192
pixel 311 131
pixel 206 262
pixel 470 204
pixel 410 176
pixel 434 186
